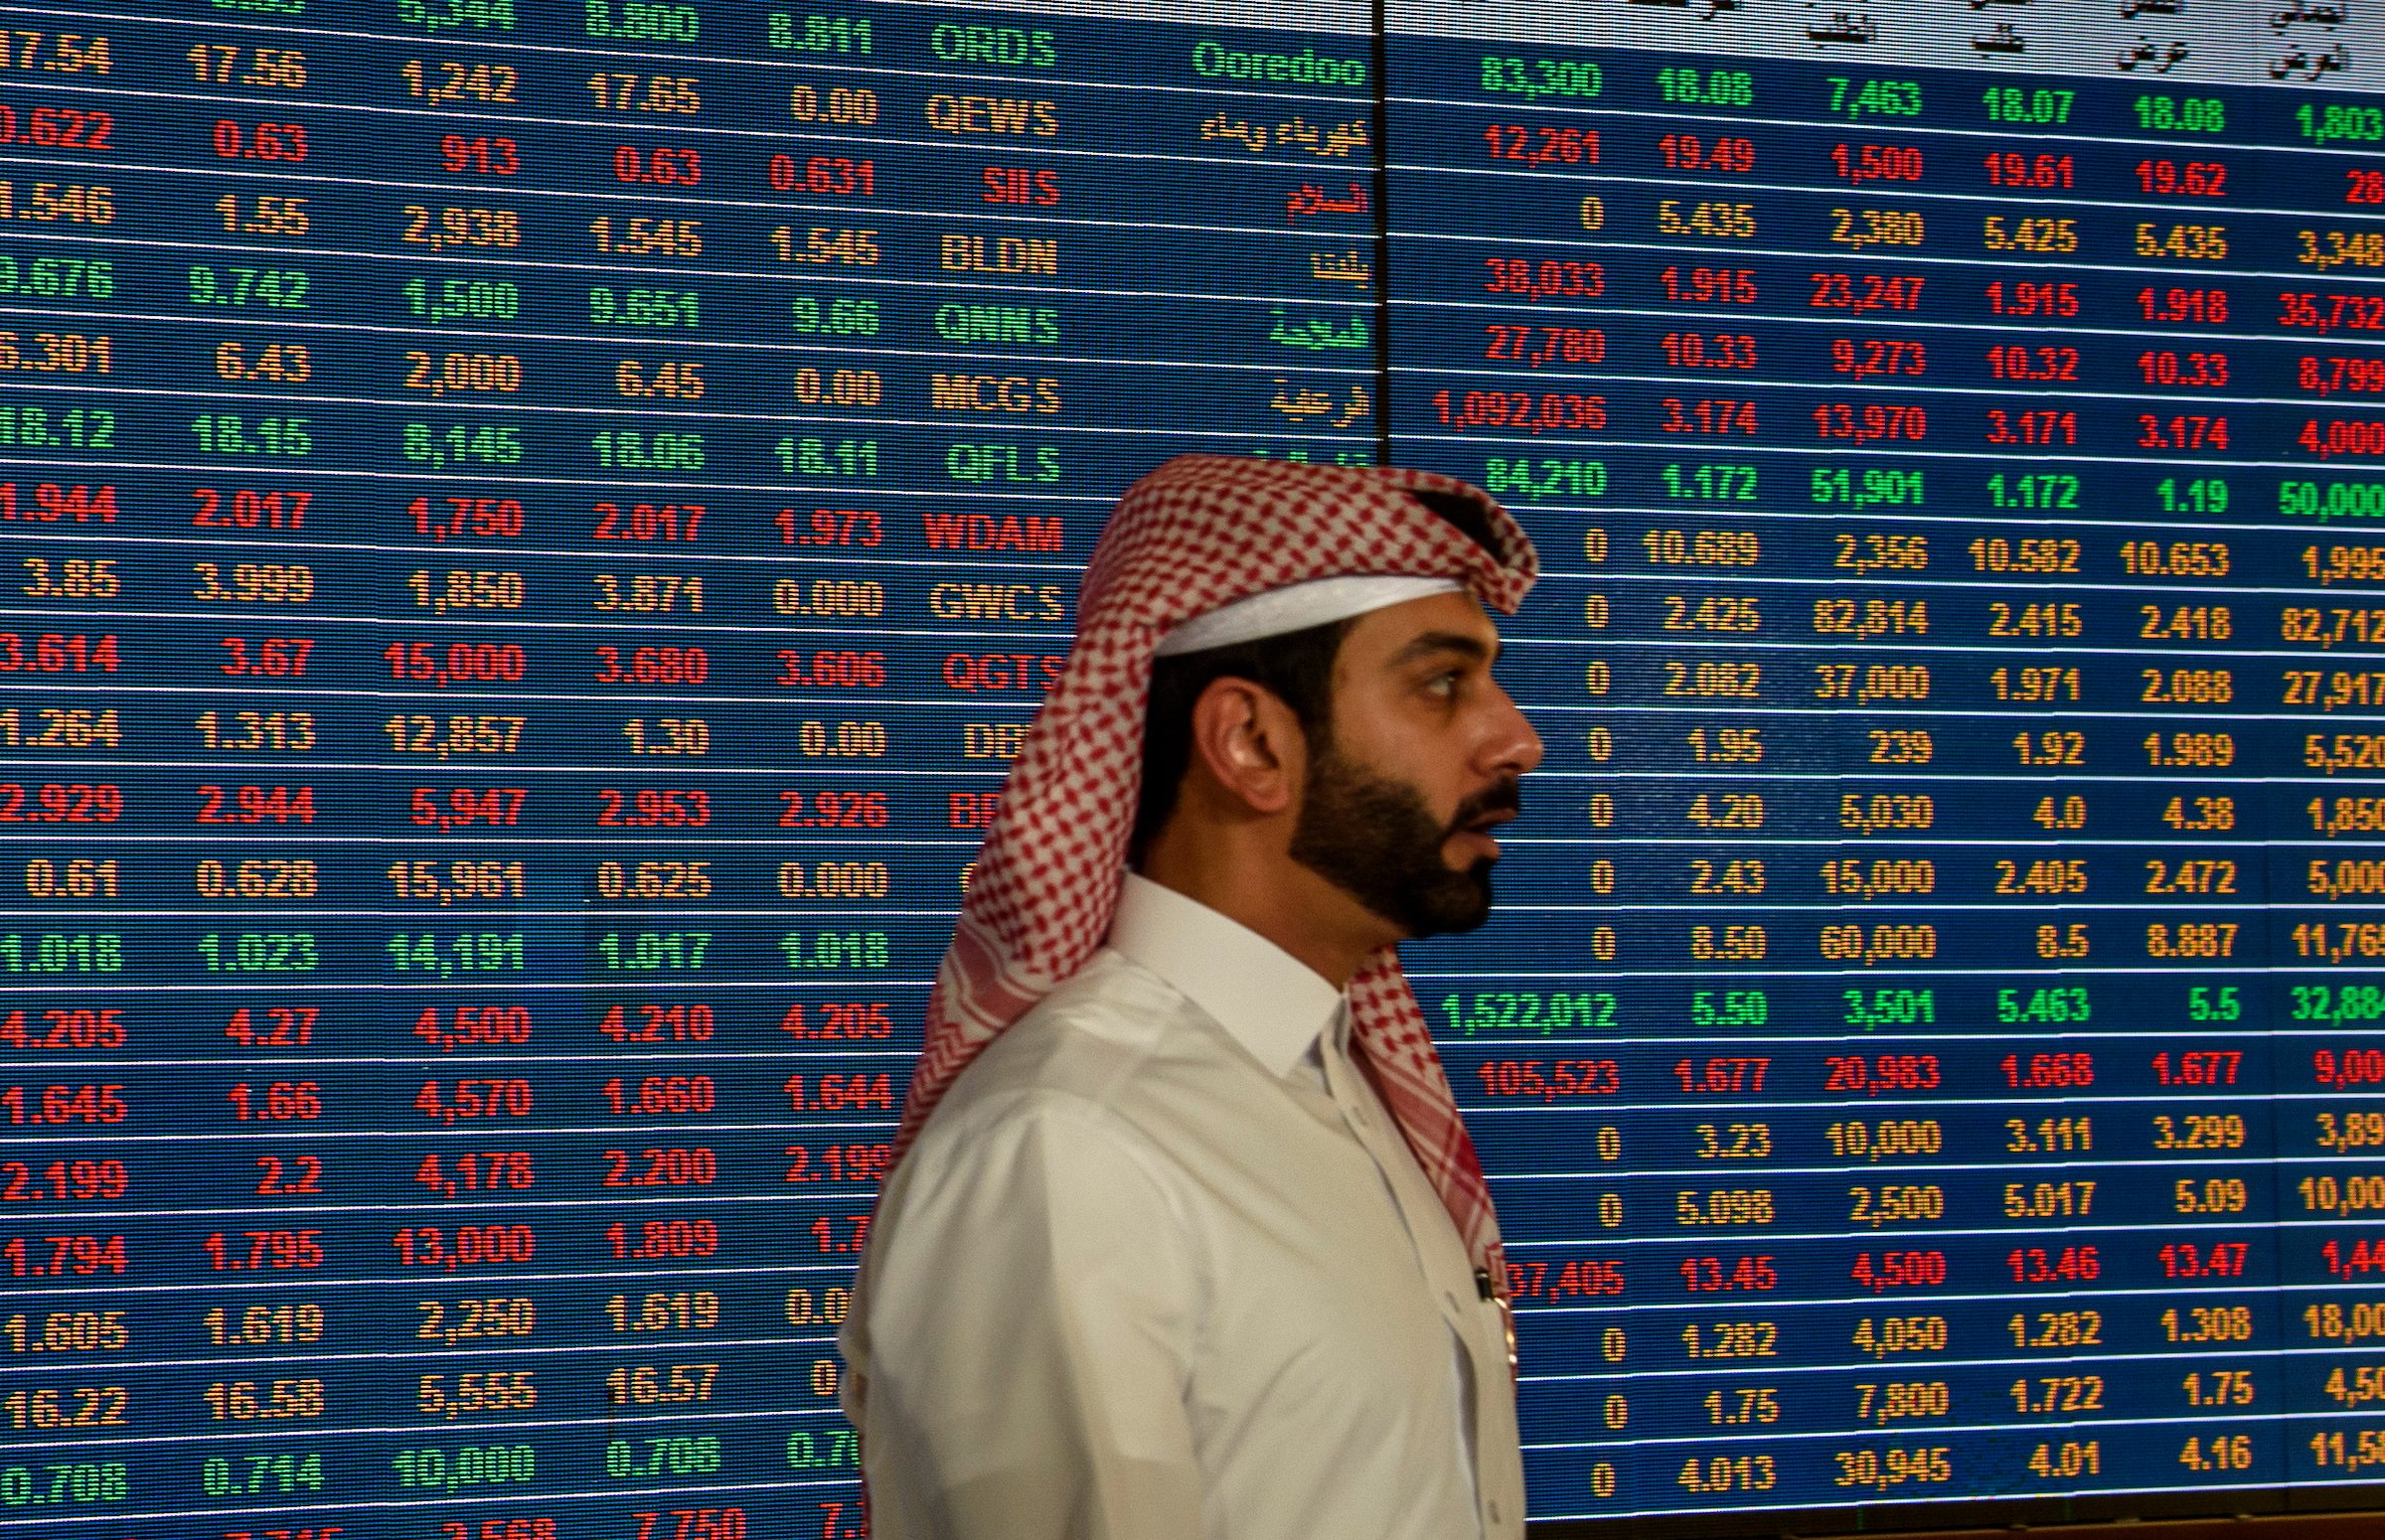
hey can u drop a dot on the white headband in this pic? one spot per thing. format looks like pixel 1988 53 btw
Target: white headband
pixel 1298 606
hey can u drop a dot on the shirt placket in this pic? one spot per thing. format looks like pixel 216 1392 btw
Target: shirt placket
pixel 1445 1268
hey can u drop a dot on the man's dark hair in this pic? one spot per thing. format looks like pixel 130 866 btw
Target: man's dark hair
pixel 1297 666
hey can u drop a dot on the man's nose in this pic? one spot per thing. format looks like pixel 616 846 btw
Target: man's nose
pixel 1513 748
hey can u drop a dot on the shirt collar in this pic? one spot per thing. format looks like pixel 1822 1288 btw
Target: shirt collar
pixel 1272 1003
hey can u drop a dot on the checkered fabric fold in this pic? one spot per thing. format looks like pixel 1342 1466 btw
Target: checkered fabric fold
pixel 1199 532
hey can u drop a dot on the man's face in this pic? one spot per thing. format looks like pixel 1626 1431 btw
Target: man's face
pixel 1422 761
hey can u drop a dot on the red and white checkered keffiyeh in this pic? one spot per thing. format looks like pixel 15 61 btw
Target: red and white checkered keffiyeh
pixel 1201 532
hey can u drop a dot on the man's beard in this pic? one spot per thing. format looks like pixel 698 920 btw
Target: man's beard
pixel 1376 839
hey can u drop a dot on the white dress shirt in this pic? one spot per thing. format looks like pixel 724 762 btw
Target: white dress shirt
pixel 1162 1267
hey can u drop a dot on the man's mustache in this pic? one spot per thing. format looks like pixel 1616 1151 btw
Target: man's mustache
pixel 1505 795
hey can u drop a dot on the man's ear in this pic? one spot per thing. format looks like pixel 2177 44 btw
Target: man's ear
pixel 1249 745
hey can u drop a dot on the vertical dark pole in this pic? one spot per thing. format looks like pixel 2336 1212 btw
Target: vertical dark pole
pixel 1383 238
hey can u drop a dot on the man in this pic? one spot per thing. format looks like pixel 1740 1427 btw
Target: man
pixel 1197 1247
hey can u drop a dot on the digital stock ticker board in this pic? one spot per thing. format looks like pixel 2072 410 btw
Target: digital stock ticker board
pixel 534 530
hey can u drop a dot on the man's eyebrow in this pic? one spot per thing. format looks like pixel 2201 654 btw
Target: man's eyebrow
pixel 1445 642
